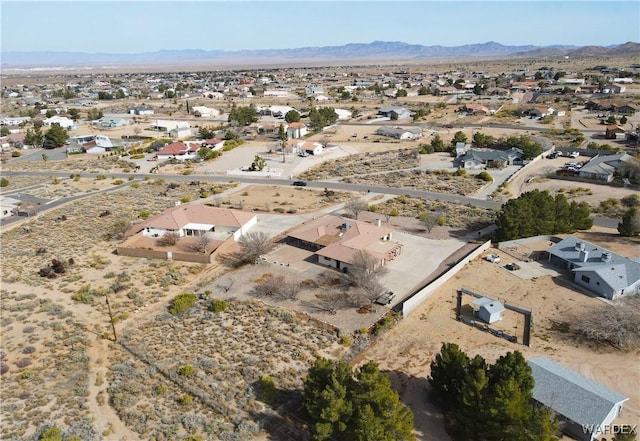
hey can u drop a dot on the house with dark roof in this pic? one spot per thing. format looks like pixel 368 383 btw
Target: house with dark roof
pixel 585 406
pixel 487 158
pixel 399 133
pixel 597 269
pixel 388 111
pixel 603 168
pixel 336 241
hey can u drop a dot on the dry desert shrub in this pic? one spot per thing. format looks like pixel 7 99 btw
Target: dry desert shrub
pixel 52 382
pixel 83 231
pixel 225 353
pixel 364 163
pixel 456 215
pixel 427 180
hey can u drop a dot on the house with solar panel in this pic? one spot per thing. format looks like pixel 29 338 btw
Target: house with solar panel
pixel 585 408
pixel 597 269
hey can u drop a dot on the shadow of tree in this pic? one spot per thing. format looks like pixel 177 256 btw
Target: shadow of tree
pixel 428 421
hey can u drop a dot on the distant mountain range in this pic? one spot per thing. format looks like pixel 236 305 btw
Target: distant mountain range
pixel 377 50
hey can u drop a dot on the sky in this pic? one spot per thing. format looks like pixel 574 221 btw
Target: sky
pixel 148 26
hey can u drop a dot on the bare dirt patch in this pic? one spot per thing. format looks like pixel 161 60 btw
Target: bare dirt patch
pixel 282 199
pixel 228 352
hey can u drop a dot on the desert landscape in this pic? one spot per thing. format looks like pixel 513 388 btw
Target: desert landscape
pixel 92 342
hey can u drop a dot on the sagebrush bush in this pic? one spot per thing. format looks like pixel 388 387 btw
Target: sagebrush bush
pixel 182 302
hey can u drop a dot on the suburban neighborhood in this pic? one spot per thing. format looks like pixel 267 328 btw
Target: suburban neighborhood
pixel 235 253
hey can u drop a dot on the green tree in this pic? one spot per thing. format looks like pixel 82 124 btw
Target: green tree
pixel 537 212
pixel 94 114
pixel 74 114
pixel 483 402
pixel 322 117
pixel 55 137
pixel 4 182
pixel 120 94
pixel 624 119
pixel 424 90
pixel 482 140
pixel 393 116
pixel 361 406
pixel 630 225
pixel 4 131
pixel 50 113
pixel 612 119
pixel 243 115
pixel 459 136
pixel 438 144
pixel 448 370
pixel 401 93
pixel 292 116
pixel 530 148
pixel 34 137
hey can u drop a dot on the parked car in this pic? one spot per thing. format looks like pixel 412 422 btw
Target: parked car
pixel 299 183
pixel 492 258
pixel 385 298
pixel 574 154
pixel 512 266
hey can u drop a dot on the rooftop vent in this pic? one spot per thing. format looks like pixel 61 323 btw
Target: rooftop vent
pixel 606 256
pixel 579 246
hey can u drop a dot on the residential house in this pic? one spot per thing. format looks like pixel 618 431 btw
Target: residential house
pixel 62 121
pixel 475 109
pixel 614 131
pixel 276 93
pixel 109 122
pixel 179 150
pixel 626 109
pixel 603 168
pixel 163 125
pixel 584 406
pixel 336 241
pixel 488 310
pixel 141 110
pixel 539 111
pixel 89 144
pixel 309 147
pixel 14 120
pixel 313 90
pixel 213 144
pixel 486 158
pixel 597 269
pixel 180 132
pixel 613 89
pixel 296 130
pixel 204 111
pixel 399 133
pixel 388 111
pixel 197 220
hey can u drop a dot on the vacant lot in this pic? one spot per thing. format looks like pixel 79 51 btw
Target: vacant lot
pixel 407 351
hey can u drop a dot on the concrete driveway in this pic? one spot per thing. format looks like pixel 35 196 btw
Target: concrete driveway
pixel 419 258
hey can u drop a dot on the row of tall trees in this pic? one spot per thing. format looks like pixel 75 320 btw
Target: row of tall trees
pixel 55 137
pixel 538 212
pixel 488 402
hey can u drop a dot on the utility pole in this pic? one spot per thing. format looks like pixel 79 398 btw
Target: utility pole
pixel 113 325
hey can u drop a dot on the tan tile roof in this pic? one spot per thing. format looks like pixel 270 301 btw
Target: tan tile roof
pixel 342 243
pixel 177 217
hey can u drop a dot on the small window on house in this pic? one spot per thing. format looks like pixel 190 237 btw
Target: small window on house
pixel 585 279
